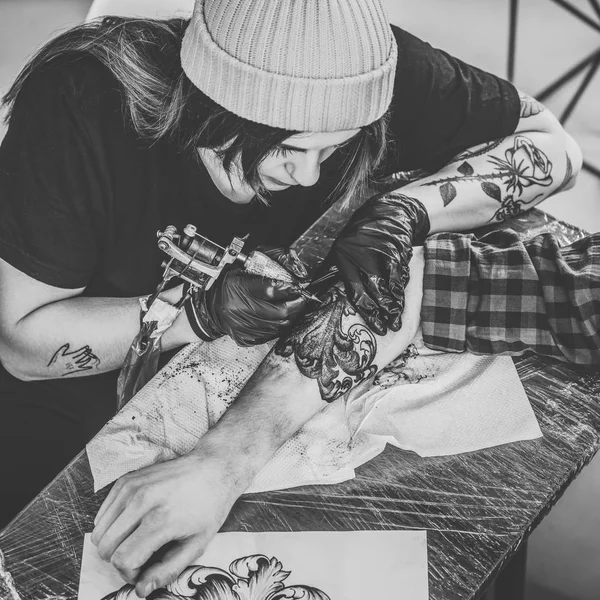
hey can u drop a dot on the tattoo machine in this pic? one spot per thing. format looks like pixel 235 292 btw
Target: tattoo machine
pixel 198 261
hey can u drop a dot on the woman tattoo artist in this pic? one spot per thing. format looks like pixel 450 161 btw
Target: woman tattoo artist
pixel 249 118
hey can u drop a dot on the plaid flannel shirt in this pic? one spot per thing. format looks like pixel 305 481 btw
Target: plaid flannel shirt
pixel 500 295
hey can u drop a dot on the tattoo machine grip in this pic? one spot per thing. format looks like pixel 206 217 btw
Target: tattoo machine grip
pixel 257 263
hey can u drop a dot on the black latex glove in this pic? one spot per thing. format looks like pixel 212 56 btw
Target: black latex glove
pixel 372 254
pixel 249 308
pixel 288 259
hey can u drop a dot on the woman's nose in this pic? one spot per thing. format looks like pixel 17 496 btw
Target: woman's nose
pixel 305 169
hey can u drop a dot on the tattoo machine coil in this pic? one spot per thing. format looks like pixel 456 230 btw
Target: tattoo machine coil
pixel 199 261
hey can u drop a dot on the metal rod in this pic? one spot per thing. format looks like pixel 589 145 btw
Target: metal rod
pixel 582 87
pixel 596 6
pixel 591 169
pixel 575 11
pixel 548 91
pixel 512 39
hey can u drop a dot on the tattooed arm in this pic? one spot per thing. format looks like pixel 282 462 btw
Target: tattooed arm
pixel 501 178
pixel 185 501
pixel 48 332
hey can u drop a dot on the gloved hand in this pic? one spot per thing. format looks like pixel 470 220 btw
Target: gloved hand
pixel 372 254
pixel 288 259
pixel 249 308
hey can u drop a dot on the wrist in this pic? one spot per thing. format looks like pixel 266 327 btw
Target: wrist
pixel 200 319
pixel 232 454
pixel 180 332
pixel 418 217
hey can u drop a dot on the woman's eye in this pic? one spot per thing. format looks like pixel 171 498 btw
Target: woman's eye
pixel 280 151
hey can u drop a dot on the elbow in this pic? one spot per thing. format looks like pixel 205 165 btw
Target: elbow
pixel 14 369
pixel 574 159
pixel 567 146
pixel 559 140
pixel 14 363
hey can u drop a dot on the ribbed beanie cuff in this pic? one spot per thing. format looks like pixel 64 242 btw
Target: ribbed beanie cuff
pixel 272 95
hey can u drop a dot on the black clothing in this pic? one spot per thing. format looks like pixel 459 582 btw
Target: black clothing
pixel 82 196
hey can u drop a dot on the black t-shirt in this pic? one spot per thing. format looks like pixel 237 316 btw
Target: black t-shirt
pixel 82 196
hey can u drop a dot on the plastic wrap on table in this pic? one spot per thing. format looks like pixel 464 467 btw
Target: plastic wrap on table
pixel 477 508
pixel 535 222
pixel 139 367
pixel 141 362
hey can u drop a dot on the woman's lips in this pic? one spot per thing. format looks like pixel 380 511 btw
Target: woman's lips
pixel 277 182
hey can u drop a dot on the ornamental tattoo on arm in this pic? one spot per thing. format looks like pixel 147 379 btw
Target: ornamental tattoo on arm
pixel 338 354
pixel 523 166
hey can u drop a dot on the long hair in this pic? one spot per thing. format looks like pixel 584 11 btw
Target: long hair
pixel 161 103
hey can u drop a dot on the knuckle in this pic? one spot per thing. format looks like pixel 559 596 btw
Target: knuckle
pixel 168 576
pixel 127 571
pixel 120 562
pixel 103 552
pixel 159 517
pixel 139 497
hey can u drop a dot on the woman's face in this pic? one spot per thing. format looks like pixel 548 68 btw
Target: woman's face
pixel 297 161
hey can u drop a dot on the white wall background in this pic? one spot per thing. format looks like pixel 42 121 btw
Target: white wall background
pixel 564 552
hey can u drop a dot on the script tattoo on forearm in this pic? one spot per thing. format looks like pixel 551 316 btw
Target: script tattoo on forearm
pixel 338 354
pixel 523 166
pixel 82 359
pixel 529 106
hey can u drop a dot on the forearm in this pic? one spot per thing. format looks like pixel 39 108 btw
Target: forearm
pixel 501 178
pixel 77 337
pixel 330 352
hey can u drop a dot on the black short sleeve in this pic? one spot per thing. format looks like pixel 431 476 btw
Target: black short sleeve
pixel 441 105
pixel 51 210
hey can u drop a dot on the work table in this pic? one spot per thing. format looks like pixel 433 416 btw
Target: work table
pixel 478 508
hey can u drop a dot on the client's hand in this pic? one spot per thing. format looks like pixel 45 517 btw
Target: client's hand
pixel 249 308
pixel 175 507
pixel 372 254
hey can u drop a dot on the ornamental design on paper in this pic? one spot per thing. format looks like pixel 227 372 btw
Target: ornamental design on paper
pixel 253 577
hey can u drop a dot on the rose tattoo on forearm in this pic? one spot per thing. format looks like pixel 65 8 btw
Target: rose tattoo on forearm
pixel 524 165
pixel 331 347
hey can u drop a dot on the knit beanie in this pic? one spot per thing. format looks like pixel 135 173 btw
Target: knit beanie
pixel 301 65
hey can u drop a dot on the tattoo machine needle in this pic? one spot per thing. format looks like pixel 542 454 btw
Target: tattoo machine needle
pixel 259 263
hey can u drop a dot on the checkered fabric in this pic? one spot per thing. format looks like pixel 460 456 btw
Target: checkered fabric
pixel 500 295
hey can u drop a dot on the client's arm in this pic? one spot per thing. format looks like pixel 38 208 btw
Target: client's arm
pixel 500 295
pixel 184 502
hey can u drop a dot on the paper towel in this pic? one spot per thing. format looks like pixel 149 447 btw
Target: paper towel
pixel 429 402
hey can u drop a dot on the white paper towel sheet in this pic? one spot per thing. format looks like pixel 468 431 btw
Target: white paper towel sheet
pixel 429 402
